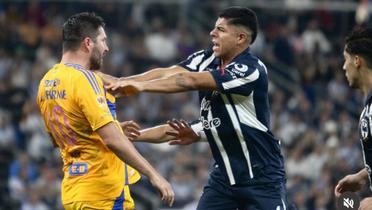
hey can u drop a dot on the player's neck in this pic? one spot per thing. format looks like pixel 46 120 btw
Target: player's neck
pixel 228 58
pixel 366 86
pixel 76 57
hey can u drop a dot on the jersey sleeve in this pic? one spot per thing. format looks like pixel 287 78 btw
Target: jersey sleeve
pixel 91 99
pixel 196 60
pixel 237 79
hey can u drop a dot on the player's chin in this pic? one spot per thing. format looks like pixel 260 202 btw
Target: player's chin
pixel 217 53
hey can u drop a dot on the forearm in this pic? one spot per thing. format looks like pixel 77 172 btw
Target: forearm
pixel 155 134
pixel 363 175
pixel 128 154
pixel 175 83
pixel 156 73
pixel 124 149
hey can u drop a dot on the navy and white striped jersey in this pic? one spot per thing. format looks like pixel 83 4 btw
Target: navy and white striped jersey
pixel 365 132
pixel 236 119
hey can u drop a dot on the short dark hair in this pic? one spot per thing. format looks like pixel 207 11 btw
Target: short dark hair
pixel 78 27
pixel 241 16
pixel 359 42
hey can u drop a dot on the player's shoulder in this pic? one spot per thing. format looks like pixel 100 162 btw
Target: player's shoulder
pixel 248 64
pixel 202 54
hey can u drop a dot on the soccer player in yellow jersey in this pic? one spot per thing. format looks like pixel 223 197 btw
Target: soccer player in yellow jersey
pixel 72 102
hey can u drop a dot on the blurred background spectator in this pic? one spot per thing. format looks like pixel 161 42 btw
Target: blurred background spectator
pixel 314 112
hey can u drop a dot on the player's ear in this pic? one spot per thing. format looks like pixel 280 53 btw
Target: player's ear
pixel 358 61
pixel 87 44
pixel 243 37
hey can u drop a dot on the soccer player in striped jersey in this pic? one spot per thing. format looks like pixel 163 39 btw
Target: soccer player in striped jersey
pixel 358 71
pixel 93 148
pixel 235 115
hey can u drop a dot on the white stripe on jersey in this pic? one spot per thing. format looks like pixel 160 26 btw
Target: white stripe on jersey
pixel 195 62
pixel 241 81
pixel 206 63
pixel 222 150
pixel 262 64
pixel 239 133
pixel 284 205
pixel 247 111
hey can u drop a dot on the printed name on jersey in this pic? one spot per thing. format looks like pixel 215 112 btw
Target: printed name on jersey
pixel 51 83
pixel 208 124
pixel 78 169
pixel 55 94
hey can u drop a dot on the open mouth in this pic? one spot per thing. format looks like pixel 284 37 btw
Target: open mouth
pixel 215 45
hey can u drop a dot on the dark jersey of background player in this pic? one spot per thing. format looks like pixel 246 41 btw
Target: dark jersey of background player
pixel 365 133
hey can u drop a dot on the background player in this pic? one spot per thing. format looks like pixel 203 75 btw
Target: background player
pixel 358 71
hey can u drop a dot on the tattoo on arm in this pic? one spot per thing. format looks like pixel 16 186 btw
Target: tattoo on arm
pixel 181 81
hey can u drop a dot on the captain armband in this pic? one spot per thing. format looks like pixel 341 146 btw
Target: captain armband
pixel 197 127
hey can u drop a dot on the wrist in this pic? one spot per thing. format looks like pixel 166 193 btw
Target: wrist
pixel 199 131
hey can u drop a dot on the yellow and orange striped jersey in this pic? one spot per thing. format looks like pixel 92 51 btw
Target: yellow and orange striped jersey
pixel 73 104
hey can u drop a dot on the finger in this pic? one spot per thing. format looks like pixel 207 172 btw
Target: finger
pixel 108 86
pixel 184 123
pixel 172 133
pixel 338 190
pixel 171 197
pixel 175 142
pixel 172 200
pixel 174 125
pixel 180 124
pixel 135 133
pixel 132 130
pixel 132 137
pixel 134 124
pixel 168 197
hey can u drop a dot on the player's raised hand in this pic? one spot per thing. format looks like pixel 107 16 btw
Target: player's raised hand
pixel 165 189
pixel 124 88
pixel 182 132
pixel 130 129
pixel 351 183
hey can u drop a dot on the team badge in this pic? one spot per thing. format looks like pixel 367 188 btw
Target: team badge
pixel 101 101
pixel 364 129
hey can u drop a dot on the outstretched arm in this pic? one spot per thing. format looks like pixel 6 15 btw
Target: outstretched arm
pixel 353 182
pixel 152 74
pixel 156 73
pixel 176 132
pixel 157 134
pixel 179 82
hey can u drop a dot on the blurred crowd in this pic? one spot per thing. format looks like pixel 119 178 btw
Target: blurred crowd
pixel 314 112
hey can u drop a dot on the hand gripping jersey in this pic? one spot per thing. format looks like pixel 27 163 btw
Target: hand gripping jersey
pixel 73 105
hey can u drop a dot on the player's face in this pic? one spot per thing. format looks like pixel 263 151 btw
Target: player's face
pixel 351 71
pixel 224 38
pixel 99 50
